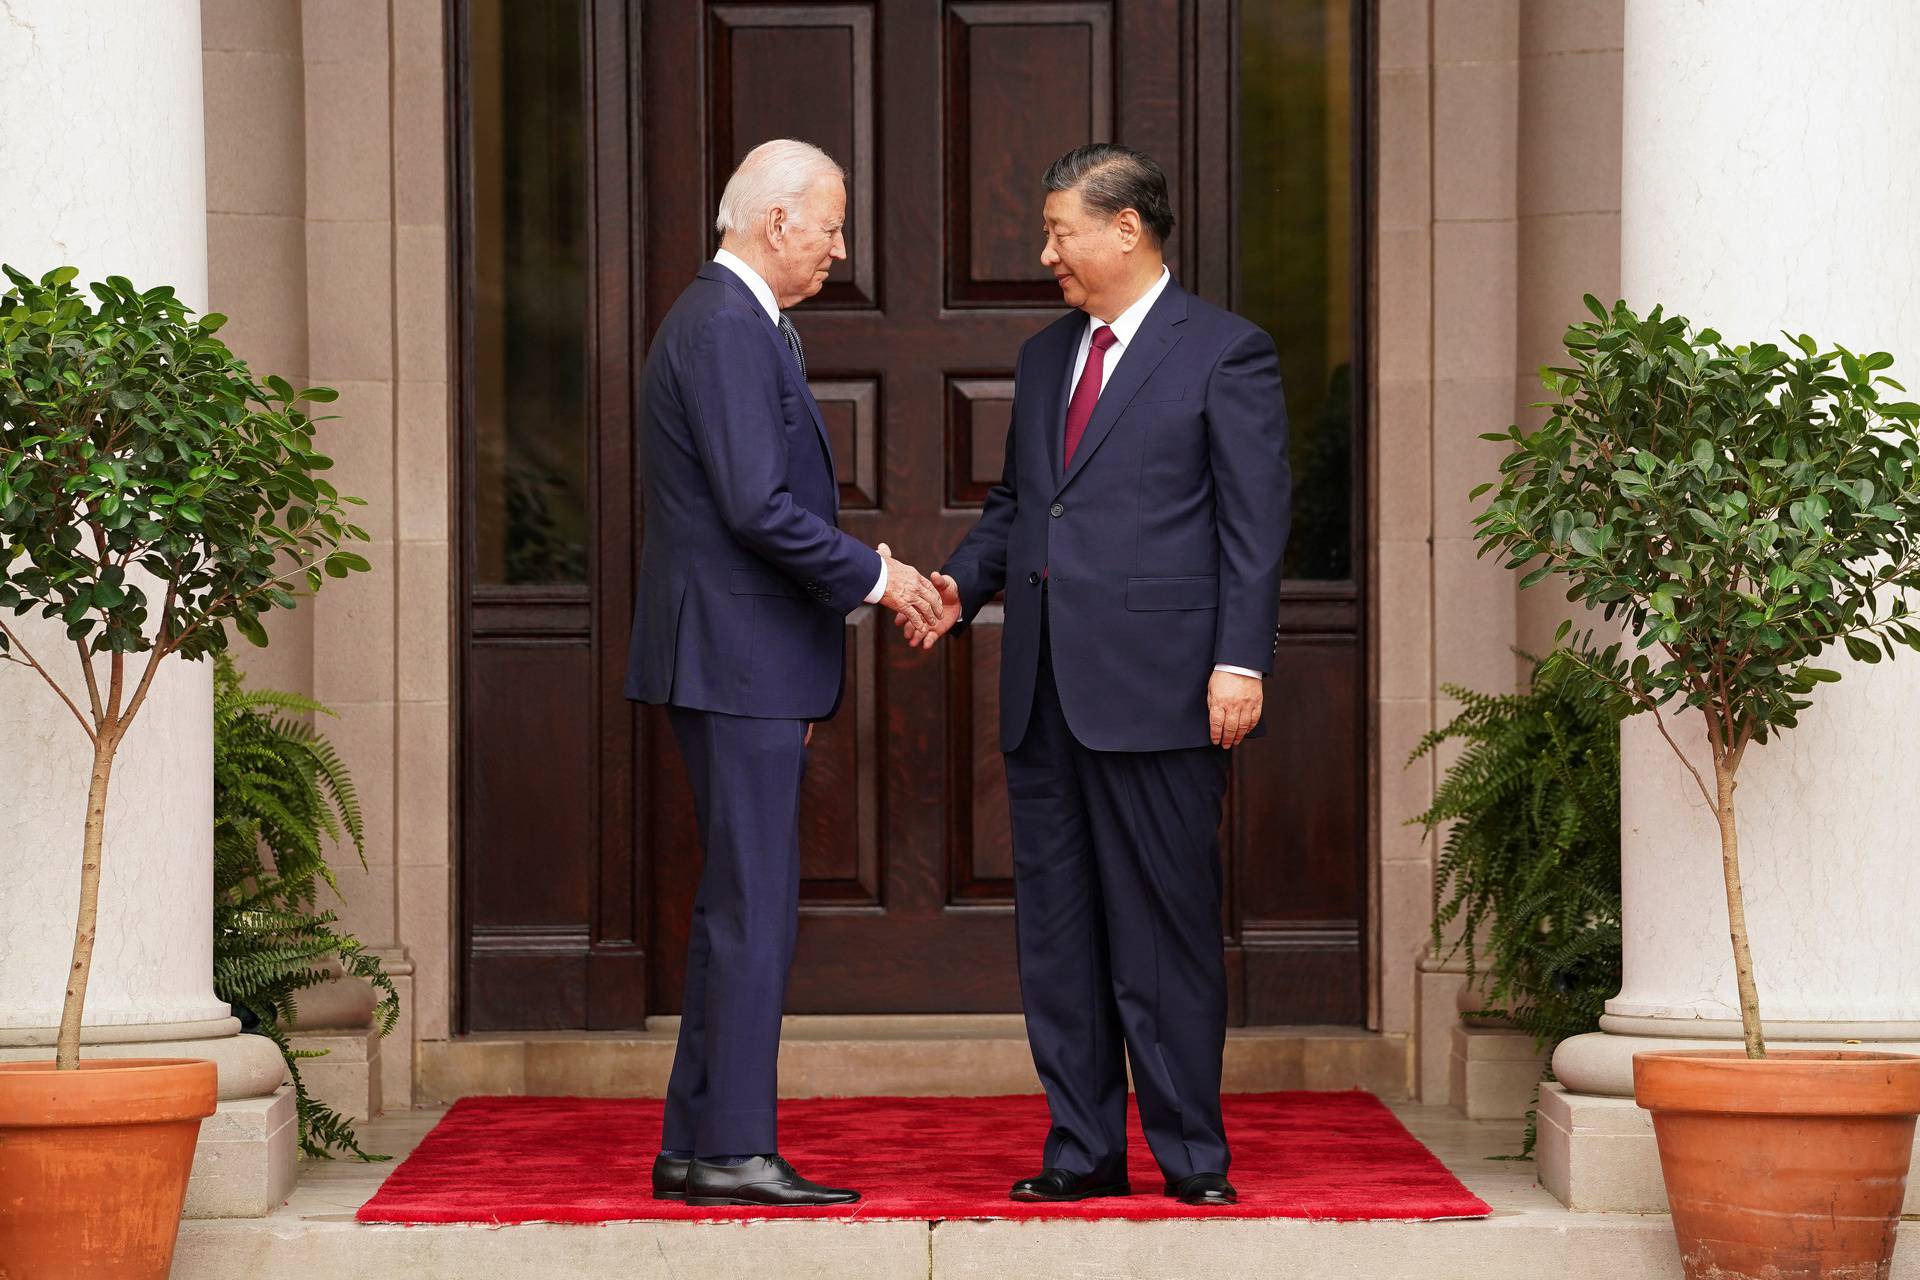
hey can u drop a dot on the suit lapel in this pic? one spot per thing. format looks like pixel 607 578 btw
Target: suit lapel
pixel 1054 365
pixel 806 393
pixel 711 270
pixel 1138 360
pixel 820 430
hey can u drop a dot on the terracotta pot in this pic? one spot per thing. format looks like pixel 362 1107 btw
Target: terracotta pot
pixel 1788 1167
pixel 94 1165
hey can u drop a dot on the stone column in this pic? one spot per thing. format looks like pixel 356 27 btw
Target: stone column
pixel 1767 186
pixel 105 165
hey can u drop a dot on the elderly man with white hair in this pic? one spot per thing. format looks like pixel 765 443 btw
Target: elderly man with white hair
pixel 745 584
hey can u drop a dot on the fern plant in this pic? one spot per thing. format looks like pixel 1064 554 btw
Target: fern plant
pixel 1527 887
pixel 280 793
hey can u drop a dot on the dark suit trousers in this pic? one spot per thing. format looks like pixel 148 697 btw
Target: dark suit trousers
pixel 1116 866
pixel 746 791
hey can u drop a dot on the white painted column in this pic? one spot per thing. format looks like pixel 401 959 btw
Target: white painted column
pixel 1767 185
pixel 105 170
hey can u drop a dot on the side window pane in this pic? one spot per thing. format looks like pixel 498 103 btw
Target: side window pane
pixel 529 292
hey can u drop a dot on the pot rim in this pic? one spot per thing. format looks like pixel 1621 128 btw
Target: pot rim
pixel 1802 1082
pixel 107 1091
pixel 49 1066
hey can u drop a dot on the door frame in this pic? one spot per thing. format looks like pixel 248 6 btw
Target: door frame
pixel 617 205
pixel 616 956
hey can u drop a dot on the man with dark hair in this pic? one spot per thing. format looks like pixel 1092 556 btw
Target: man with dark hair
pixel 1138 530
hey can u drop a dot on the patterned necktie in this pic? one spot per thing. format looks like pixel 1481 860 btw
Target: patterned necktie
pixel 1086 393
pixel 792 336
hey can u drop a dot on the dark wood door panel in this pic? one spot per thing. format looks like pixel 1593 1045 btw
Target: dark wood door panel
pixel 758 54
pixel 527 878
pixel 1294 830
pixel 1024 84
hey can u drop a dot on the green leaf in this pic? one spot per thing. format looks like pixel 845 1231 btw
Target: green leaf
pixel 147 433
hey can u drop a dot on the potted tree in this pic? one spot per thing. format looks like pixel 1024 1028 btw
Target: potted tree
pixel 1739 509
pixel 152 493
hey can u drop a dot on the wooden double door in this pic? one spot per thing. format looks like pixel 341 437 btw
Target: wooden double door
pixel 579 850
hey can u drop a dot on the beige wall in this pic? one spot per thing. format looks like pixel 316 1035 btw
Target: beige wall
pixel 1498 172
pixel 327 227
pixel 1498 205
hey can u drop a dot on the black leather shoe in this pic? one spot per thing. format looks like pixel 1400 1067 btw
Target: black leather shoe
pixel 762 1180
pixel 669 1177
pixel 1054 1185
pixel 1203 1189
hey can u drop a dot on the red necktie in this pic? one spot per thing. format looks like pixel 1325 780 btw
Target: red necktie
pixel 1086 393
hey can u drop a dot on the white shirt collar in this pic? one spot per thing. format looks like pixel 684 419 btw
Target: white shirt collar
pixel 1128 322
pixel 751 278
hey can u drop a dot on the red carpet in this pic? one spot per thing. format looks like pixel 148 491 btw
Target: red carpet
pixel 1338 1156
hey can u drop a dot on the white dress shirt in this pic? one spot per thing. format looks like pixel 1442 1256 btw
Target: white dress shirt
pixel 1125 326
pixel 763 293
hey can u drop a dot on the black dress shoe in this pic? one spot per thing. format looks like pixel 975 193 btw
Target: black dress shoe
pixel 762 1180
pixel 669 1177
pixel 1054 1185
pixel 1203 1189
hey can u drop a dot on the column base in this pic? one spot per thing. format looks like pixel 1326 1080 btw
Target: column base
pixel 1598 1153
pixel 249 1066
pixel 247 1159
pixel 1438 1009
pixel 349 1077
pixel 1492 1072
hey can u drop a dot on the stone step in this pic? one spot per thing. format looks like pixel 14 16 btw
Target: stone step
pixel 1598 1247
pixel 1529 1235
pixel 901 1054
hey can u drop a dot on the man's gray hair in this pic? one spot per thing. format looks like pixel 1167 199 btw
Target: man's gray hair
pixel 779 173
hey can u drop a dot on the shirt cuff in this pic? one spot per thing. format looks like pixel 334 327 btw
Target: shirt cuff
pixel 879 588
pixel 1238 671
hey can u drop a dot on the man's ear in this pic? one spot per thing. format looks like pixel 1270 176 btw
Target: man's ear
pixel 1127 223
pixel 776 225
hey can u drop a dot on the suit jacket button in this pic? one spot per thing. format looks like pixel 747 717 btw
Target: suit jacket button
pixel 1033 579
pixel 1058 510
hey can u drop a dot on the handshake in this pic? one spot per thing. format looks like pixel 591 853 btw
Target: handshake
pixel 924 609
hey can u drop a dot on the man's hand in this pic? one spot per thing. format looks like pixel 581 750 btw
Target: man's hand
pixel 922 636
pixel 908 594
pixel 1233 707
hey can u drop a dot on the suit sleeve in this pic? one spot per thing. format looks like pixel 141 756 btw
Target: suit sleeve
pixel 979 564
pixel 733 408
pixel 1253 497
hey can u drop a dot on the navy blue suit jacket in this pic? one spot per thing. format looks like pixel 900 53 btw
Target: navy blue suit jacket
pixel 745 577
pixel 1163 541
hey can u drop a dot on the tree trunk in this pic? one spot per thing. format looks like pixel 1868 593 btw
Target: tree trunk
pixel 67 1053
pixel 1737 910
